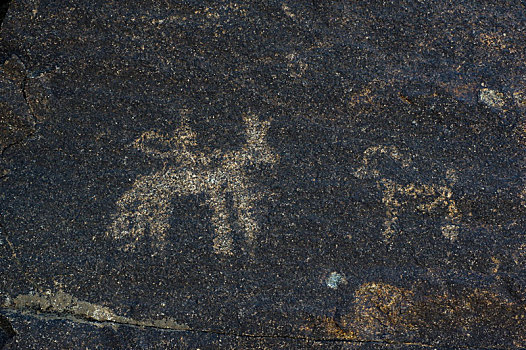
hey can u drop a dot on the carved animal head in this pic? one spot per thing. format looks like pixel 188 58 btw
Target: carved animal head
pixel 163 146
pixel 257 149
pixel 375 155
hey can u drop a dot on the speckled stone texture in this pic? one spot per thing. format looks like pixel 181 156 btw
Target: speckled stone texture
pixel 265 174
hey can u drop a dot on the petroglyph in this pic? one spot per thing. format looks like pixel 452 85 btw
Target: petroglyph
pixel 371 157
pixel 435 196
pixel 147 208
pixel 431 197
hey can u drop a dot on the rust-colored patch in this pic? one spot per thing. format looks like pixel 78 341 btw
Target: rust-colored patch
pixel 385 311
pixel 496 41
pixel 381 308
pixel 336 330
pixel 460 89
pixel 363 96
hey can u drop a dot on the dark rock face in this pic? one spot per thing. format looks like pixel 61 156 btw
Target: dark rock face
pixel 274 174
pixel 6 331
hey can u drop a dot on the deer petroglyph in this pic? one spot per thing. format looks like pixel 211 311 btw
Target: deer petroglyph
pixel 147 207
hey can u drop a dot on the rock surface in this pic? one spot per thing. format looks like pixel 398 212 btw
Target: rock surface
pixel 270 174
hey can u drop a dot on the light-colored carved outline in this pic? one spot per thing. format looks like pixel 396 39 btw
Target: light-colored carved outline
pixel 146 207
pixel 441 195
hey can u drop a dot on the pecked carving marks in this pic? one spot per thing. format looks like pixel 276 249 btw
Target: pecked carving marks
pixel 431 198
pixel 371 157
pixel 146 208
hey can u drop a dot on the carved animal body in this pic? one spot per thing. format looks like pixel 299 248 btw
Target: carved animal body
pixel 146 208
pixel 431 197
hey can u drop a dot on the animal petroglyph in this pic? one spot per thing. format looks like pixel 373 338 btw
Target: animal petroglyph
pixel 436 197
pixel 431 197
pixel 371 157
pixel 146 208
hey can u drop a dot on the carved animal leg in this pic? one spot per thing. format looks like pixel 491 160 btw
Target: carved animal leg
pixel 256 150
pixel 244 204
pixel 223 233
pixel 392 205
pixel 145 208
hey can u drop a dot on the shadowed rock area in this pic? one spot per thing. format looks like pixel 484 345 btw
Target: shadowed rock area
pixel 271 174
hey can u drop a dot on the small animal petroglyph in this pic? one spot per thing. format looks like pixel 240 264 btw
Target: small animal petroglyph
pixel 371 157
pixel 431 197
pixel 436 196
pixel 146 208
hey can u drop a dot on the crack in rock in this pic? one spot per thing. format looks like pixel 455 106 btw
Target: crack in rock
pixel 53 316
pixel 17 120
pixel 63 306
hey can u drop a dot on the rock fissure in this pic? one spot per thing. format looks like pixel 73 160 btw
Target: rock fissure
pixel 26 99
pixel 68 308
pixel 54 316
pixel 22 86
pixel 13 144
